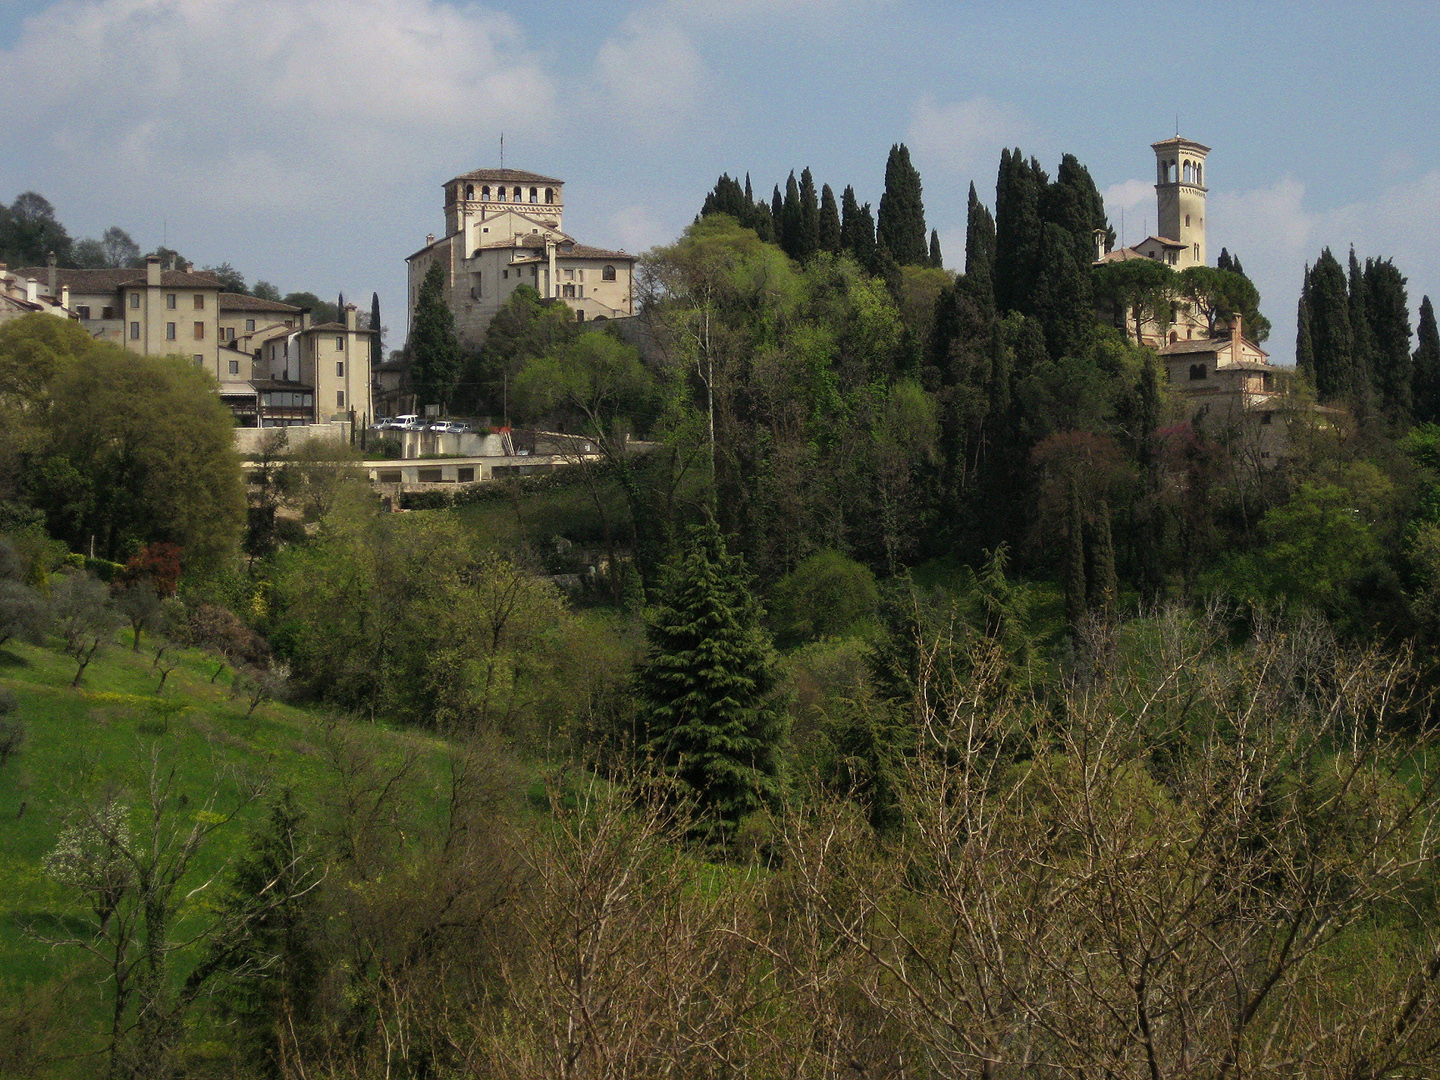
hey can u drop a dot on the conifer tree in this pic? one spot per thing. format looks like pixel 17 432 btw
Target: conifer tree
pixel 1102 587
pixel 980 253
pixel 340 308
pixel 1387 310
pixel 1061 297
pixel 376 349
pixel 705 686
pixel 857 229
pixel 829 232
pixel 777 218
pixel 1425 378
pixel 1362 346
pixel 808 240
pixel 1017 230
pixel 1331 340
pixel 1304 345
pixel 937 260
pixel 434 349
pixel 1076 594
pixel 792 225
pixel 901 226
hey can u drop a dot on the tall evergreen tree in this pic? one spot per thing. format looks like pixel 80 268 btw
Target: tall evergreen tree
pixel 901 227
pixel 376 348
pixel 1331 340
pixel 808 241
pixel 829 231
pixel 1076 593
pixel 980 252
pixel 1362 347
pixel 340 308
pixel 1304 344
pixel 777 218
pixel 1229 262
pixel 727 197
pixel 792 225
pixel 434 349
pixel 1387 310
pixel 937 260
pixel 1061 297
pixel 1425 378
pixel 1101 585
pixel 1017 230
pixel 705 686
pixel 857 229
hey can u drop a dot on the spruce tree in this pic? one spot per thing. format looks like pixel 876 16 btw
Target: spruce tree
pixel 1425 377
pixel 829 233
pixel 705 686
pixel 434 349
pixel 901 226
pixel 808 241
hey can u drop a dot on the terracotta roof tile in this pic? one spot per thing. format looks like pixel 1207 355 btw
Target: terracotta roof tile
pixel 230 301
pixel 509 176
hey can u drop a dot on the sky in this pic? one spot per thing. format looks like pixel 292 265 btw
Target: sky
pixel 305 142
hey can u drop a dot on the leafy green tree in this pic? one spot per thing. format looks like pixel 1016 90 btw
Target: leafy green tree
pixel 30 232
pixel 231 280
pixel 827 595
pixel 114 249
pixel 901 226
pixel 263 290
pixel 1426 366
pixel 85 618
pixel 434 349
pixel 1220 295
pixel 321 311
pixel 705 689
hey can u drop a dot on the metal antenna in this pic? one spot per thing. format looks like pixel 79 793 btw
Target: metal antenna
pixel 502 151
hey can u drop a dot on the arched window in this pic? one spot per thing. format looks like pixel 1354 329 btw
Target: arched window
pixel 485 193
pixel 1187 221
pixel 1197 252
pixel 1174 337
pixel 534 195
pixel 516 194
pixel 1197 175
pixel 608 274
pixel 549 195
pixel 1197 371
pixel 1185 172
pixel 500 194
pixel 469 191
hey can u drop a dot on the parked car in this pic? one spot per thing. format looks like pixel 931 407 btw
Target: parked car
pixel 409 422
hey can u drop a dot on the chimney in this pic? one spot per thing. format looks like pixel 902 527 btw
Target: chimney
pixel 305 319
pixel 152 269
pixel 429 239
pixel 32 290
pixel 54 274
pixel 349 316
pixel 1235 339
pixel 65 297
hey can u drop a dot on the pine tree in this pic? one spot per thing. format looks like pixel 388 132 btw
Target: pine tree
pixel 706 684
pixel 434 349
pixel 376 349
pixel 936 259
pixel 1387 309
pixel 1425 379
pixel 901 227
pixel 829 233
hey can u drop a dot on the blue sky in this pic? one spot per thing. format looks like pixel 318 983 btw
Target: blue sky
pixel 305 141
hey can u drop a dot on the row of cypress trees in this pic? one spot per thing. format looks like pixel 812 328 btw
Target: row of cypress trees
pixel 804 222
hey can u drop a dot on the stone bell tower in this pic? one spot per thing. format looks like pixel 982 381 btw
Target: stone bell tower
pixel 1180 196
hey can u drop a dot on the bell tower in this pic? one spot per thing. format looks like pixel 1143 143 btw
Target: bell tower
pixel 1180 196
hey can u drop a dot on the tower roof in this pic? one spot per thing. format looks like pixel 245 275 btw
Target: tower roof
pixel 1177 143
pixel 509 176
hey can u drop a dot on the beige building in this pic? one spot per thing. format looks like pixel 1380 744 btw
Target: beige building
pixel 316 374
pixel 503 229
pixel 21 295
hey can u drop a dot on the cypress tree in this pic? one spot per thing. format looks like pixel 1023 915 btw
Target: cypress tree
pixel 1387 310
pixel 1102 587
pixel 705 686
pixel 777 217
pixel 829 230
pixel 726 197
pixel 809 218
pixel 901 227
pixel 980 253
pixel 340 309
pixel 1061 297
pixel 791 225
pixel 1304 346
pixel 1017 230
pixel 1425 377
pixel 1362 346
pixel 376 350
pixel 857 229
pixel 1332 343
pixel 936 259
pixel 434 349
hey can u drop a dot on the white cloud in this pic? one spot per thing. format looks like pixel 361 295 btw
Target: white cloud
pixel 652 76
pixel 637 228
pixel 1128 205
pixel 964 136
pixel 261 102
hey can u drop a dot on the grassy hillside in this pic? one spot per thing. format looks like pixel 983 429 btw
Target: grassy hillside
pixel 104 740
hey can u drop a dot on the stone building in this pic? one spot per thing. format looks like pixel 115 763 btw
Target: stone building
pixel 320 373
pixel 504 228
